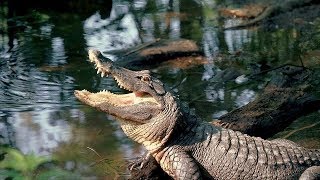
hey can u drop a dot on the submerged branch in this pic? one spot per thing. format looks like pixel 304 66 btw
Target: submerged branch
pixel 300 129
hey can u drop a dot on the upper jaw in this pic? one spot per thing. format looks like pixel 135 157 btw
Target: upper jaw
pixel 105 68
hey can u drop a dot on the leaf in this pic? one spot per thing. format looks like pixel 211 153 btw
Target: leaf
pixel 14 160
pixel 26 164
pixel 10 174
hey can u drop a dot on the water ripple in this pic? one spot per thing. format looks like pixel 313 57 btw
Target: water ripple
pixel 24 87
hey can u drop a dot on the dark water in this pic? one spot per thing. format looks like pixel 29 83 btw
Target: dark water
pixel 43 54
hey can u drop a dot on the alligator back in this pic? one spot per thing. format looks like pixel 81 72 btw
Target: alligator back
pixel 228 154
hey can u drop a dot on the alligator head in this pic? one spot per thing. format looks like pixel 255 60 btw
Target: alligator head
pixel 147 114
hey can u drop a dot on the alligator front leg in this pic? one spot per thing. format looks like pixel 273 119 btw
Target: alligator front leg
pixel 312 173
pixel 179 164
pixel 140 162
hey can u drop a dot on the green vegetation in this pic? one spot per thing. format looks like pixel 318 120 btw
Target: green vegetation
pixel 16 165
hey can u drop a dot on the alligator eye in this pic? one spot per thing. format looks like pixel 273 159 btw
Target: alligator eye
pixel 145 78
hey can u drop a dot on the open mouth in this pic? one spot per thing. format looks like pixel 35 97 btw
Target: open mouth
pixel 119 100
pixel 108 98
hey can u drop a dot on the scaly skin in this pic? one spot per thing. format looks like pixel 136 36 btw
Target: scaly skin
pixel 186 147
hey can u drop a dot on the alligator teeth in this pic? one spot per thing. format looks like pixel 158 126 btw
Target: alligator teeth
pixel 102 73
pixel 99 70
pixel 105 91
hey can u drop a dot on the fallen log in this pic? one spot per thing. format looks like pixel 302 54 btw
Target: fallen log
pixel 156 52
pixel 284 100
pixel 273 9
pixel 271 112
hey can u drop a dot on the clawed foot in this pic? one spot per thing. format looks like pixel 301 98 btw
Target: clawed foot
pixel 139 162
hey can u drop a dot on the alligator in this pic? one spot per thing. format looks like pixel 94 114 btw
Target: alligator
pixel 185 146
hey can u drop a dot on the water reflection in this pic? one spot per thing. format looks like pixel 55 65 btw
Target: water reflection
pixel 43 61
pixel 44 132
pixel 58 52
pixel 127 27
pixel 124 34
pixel 236 38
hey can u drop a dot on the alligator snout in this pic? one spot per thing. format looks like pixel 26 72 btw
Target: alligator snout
pixel 93 53
pixel 102 64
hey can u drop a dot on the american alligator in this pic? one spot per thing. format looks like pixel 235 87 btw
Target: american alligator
pixel 185 146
